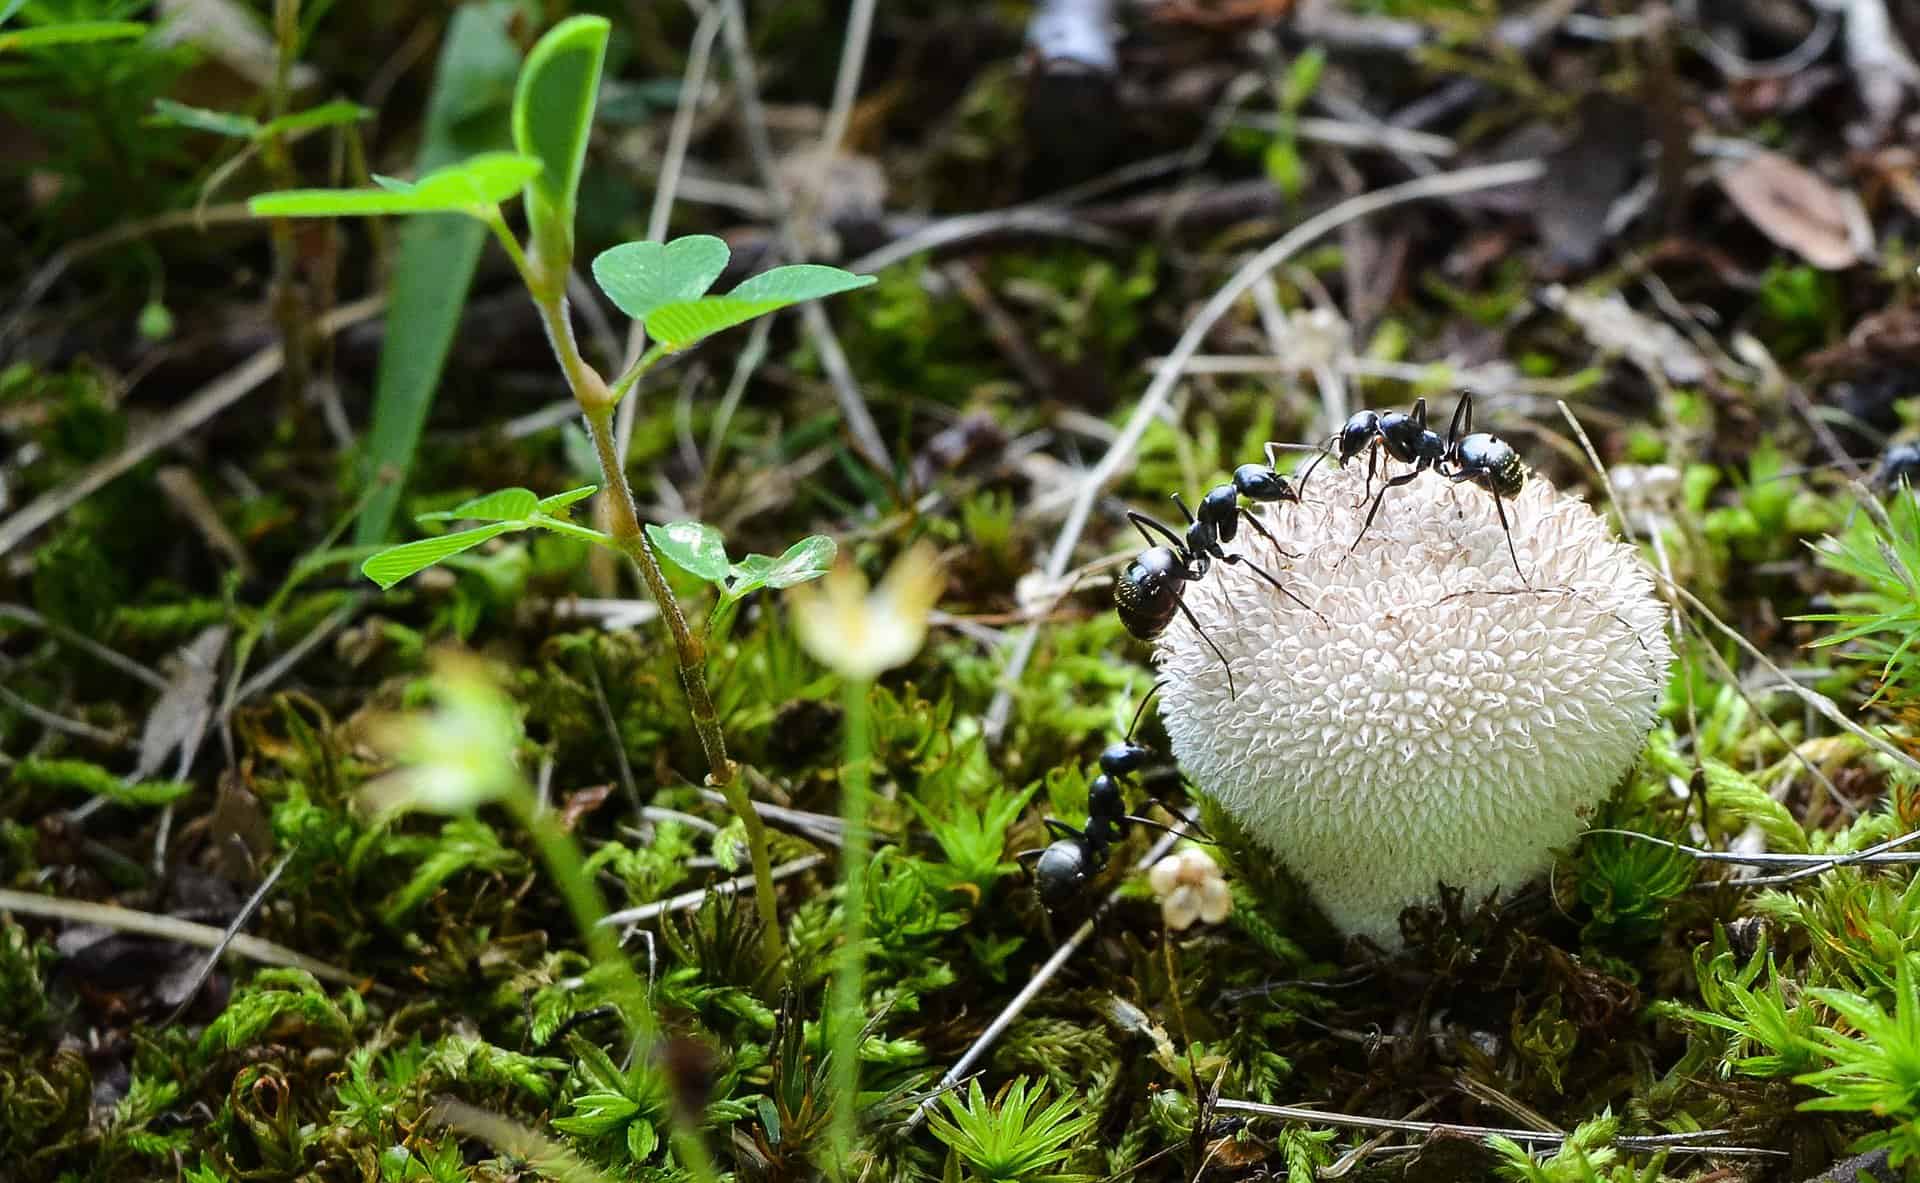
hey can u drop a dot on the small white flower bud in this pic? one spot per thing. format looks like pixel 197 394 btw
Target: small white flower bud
pixel 1190 887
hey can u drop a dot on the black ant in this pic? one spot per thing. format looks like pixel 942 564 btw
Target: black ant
pixel 1150 590
pixel 1485 460
pixel 1463 455
pixel 1404 435
pixel 1074 857
pixel 1899 465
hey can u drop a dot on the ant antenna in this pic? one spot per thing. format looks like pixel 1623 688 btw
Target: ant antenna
pixel 1192 831
pixel 1320 450
pixel 1141 710
pixel 1142 521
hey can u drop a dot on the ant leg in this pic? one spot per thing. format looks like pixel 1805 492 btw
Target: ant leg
pixel 1262 531
pixel 1225 664
pixel 1061 830
pixel 1191 831
pixel 1485 481
pixel 1142 521
pixel 1243 561
pixel 1394 482
pixel 1462 424
pixel 1508 531
pixel 1373 455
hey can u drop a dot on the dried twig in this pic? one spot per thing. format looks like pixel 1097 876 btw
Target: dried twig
pixel 170 928
pixel 1041 977
pixel 1692 1142
pixel 833 359
pixel 1807 864
pixel 203 405
pixel 692 84
pixel 234 926
pixel 692 899
pixel 85 644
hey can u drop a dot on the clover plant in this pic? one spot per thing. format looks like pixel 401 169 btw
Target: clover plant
pixel 664 286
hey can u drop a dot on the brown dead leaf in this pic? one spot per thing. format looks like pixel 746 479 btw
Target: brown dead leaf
pixel 582 802
pixel 1795 208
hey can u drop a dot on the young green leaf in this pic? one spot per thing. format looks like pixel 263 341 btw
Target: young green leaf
pixel 552 113
pixel 640 276
pixel 560 501
pixel 332 114
pixel 693 547
pixel 168 113
pixel 678 325
pixel 1301 79
pixel 73 33
pixel 807 559
pixel 391 566
pixel 474 184
pixel 501 505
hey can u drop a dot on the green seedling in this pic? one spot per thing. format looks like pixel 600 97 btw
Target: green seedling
pixel 699 550
pixel 1016 1137
pixel 49 36
pixel 663 286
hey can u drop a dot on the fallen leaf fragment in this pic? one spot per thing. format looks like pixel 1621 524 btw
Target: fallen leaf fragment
pixel 1797 210
pixel 1615 329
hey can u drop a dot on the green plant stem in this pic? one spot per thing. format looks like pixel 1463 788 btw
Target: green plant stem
pixel 597 404
pixel 568 866
pixel 288 301
pixel 634 372
pixel 845 1009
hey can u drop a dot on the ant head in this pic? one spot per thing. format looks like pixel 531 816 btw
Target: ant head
pixel 1125 758
pixel 1146 591
pixel 1357 433
pixel 1901 464
pixel 1061 872
pixel 1261 483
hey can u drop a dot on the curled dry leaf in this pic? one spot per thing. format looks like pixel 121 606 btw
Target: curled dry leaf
pixel 1798 210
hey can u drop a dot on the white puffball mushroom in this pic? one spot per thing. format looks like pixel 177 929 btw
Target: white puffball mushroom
pixel 1438 720
pixel 1190 887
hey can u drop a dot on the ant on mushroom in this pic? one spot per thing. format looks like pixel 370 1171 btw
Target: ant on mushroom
pixel 1463 455
pixel 1150 590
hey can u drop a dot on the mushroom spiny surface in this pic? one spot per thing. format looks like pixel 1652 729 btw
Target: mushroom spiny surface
pixel 1444 722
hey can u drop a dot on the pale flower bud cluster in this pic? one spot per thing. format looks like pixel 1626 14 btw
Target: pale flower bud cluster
pixel 1190 888
pixel 862 633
